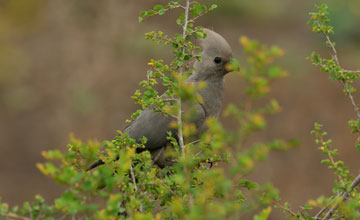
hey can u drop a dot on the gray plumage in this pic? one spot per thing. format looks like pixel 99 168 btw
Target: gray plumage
pixel 211 70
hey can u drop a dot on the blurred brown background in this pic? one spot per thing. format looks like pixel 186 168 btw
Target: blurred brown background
pixel 71 67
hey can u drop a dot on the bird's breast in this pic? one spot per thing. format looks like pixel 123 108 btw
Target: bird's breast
pixel 212 96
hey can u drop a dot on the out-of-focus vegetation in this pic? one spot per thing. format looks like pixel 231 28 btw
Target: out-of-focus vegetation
pixel 71 67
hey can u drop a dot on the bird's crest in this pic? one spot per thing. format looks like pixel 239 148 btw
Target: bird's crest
pixel 214 43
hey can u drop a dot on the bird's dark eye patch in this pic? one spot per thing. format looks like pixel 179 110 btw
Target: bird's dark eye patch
pixel 217 60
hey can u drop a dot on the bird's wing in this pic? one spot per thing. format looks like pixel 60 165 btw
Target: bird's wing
pixel 152 125
pixel 155 126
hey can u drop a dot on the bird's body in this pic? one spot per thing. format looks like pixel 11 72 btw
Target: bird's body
pixel 212 95
pixel 155 126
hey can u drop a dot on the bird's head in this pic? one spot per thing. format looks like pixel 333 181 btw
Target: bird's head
pixel 216 57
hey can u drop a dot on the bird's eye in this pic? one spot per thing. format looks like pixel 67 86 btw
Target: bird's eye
pixel 217 60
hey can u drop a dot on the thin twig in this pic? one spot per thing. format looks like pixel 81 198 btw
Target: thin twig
pixel 179 117
pixel 194 142
pixel 165 113
pixel 292 213
pixel 198 16
pixel 343 82
pixel 331 45
pixel 336 218
pixel 162 38
pixel 62 217
pixel 165 10
pixel 332 161
pixel 317 216
pixel 15 216
pixel 356 108
pixel 134 182
pixel 198 153
pixel 351 71
pixel 344 196
pixel 355 182
pixel 133 177
pixel 169 99
pixel 158 154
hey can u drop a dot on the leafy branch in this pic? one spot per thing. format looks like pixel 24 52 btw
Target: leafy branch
pixel 319 21
pixel 320 24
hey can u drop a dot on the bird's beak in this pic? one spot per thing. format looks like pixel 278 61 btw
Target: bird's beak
pixel 232 65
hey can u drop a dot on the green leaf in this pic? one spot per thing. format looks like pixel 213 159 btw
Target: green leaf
pixel 213 6
pixel 248 184
pixel 264 214
pixel 274 71
pixel 149 13
pixel 158 7
pixel 161 12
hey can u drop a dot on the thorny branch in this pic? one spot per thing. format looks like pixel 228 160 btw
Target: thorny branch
pixel 332 161
pixel 134 182
pixel 289 211
pixel 165 10
pixel 351 71
pixel 317 216
pixel 343 82
pixel 166 39
pixel 194 19
pixel 15 216
pixel 343 197
pixel 159 154
pixel 179 116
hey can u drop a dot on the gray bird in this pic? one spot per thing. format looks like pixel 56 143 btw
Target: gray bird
pixel 216 57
